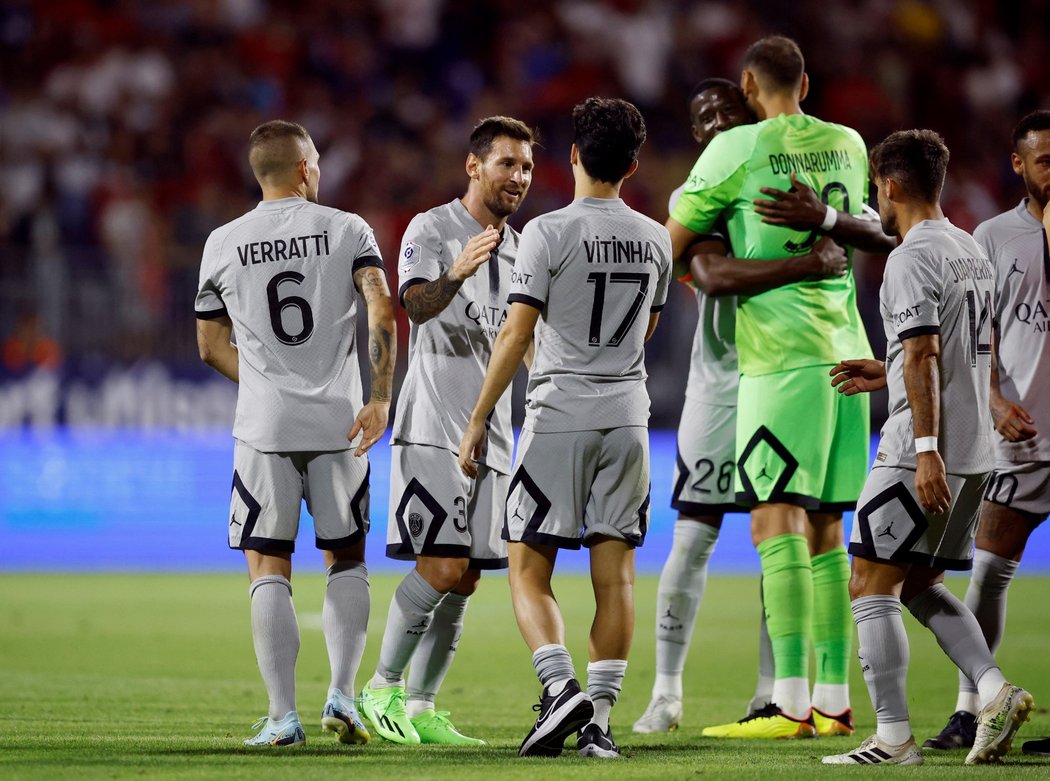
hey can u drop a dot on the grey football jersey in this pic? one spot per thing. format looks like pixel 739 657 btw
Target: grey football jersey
pixel 1016 246
pixel 448 354
pixel 938 281
pixel 283 273
pixel 714 373
pixel 595 270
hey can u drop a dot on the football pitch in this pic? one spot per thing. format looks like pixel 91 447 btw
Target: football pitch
pixel 153 676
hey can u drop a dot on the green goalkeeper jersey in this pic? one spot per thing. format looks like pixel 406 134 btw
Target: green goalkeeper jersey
pixel 805 323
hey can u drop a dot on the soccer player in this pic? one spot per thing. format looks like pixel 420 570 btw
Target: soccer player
pixel 1018 495
pixel 282 279
pixel 455 269
pixel 918 511
pixel 591 279
pixel 801 450
pixel 703 477
pixel 1041 746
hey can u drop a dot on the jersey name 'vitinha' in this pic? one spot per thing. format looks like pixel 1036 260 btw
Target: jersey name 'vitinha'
pixel 283 273
pixel 595 269
pixel 1017 248
pixel 448 354
pixel 938 281
pixel 808 323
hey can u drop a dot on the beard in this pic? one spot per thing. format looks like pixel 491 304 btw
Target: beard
pixel 498 207
pixel 1040 196
pixel 889 223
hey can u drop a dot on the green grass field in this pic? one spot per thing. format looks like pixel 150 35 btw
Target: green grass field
pixel 140 676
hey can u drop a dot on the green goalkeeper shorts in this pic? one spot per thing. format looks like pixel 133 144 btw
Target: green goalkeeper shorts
pixel 801 442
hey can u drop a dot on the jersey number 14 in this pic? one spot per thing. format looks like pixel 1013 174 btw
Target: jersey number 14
pixel 980 327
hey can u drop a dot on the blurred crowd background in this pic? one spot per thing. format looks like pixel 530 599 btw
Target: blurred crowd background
pixel 123 129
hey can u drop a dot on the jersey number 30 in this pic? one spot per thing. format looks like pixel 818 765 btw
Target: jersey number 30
pixel 278 305
pixel 600 280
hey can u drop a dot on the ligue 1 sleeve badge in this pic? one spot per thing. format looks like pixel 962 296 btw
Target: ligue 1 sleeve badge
pixel 409 256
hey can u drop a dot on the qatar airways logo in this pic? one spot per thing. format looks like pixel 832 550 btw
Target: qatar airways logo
pixel 487 318
pixel 1036 315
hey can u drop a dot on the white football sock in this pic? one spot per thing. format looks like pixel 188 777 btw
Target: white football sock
pixel 986 599
pixel 604 681
pixel 767 672
pixel 344 619
pixel 407 621
pixel 433 657
pixel 553 666
pixel 882 645
pixel 959 636
pixel 275 633
pixel 681 588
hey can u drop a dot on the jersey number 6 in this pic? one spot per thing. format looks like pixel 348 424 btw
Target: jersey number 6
pixel 278 305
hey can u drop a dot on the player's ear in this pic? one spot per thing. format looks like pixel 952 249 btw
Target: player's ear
pixel 631 170
pixel 1017 163
pixel 748 84
pixel 574 155
pixel 803 88
pixel 473 164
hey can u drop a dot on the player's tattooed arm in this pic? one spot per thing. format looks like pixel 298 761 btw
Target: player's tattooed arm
pixel 216 348
pixel 382 354
pixel 428 299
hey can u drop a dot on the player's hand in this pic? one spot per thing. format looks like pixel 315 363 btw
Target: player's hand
pixel 799 208
pixel 477 251
pixel 827 259
pixel 931 483
pixel 470 447
pixel 862 375
pixel 1012 421
pixel 370 424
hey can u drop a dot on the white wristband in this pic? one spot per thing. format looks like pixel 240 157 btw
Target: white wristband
pixel 830 218
pixel 925 445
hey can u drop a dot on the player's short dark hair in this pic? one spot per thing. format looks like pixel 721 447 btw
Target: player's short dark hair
pixel 915 159
pixel 489 129
pixel 1036 121
pixel 713 83
pixel 608 132
pixel 268 150
pixel 777 61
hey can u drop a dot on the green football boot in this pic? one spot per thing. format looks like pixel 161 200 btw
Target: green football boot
pixel 385 709
pixel 434 728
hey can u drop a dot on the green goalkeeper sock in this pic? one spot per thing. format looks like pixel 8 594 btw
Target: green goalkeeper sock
pixel 787 588
pixel 832 617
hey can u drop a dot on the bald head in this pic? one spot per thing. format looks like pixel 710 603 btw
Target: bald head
pixel 275 149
